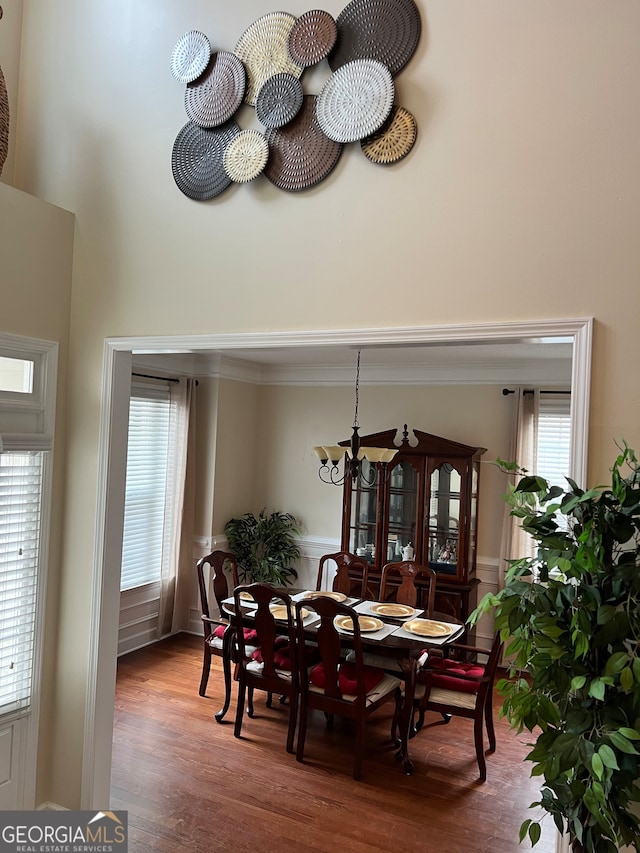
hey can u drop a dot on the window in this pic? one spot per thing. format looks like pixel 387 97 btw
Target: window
pixel 27 407
pixel 554 438
pixel 148 486
pixel 21 481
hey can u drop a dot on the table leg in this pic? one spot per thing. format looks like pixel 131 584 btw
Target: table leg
pixel 408 666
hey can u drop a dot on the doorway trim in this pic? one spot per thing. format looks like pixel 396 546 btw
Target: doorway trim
pixel 116 384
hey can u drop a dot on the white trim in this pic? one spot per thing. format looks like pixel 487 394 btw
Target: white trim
pixel 101 680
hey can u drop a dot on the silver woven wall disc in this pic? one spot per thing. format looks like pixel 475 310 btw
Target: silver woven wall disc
pixel 196 159
pixel 190 56
pixel 356 100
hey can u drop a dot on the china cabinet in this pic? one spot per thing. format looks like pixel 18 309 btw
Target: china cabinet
pixel 423 507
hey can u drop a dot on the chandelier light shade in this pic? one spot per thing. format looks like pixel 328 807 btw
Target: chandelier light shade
pixel 331 455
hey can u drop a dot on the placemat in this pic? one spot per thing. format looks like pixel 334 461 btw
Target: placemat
pixel 386 30
pixel 279 100
pixel 312 37
pixel 190 56
pixel 300 154
pixel 365 607
pixel 305 593
pixel 217 94
pixel 196 159
pixel 246 156
pixel 380 634
pixel 394 140
pixel 428 641
pixel 356 100
pixel 263 48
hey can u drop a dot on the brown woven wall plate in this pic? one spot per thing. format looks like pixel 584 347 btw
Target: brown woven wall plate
pixel 190 56
pixel 4 122
pixel 312 37
pixel 386 30
pixel 356 100
pixel 300 154
pixel 279 100
pixel 394 140
pixel 217 94
pixel 196 159
pixel 245 156
pixel 263 50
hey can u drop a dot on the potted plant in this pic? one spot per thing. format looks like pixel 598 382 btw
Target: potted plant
pixel 265 546
pixel 570 617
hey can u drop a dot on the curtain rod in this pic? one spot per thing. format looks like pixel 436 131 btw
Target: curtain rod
pixel 506 391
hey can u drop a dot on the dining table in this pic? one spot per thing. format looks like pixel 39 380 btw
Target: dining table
pixel 391 632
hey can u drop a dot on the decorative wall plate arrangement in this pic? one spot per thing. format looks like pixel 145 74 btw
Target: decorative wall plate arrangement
pixel 217 94
pixel 394 140
pixel 386 30
pixel 279 100
pixel 300 154
pixel 368 43
pixel 245 156
pixel 196 159
pixel 190 56
pixel 356 100
pixel 263 48
pixel 312 37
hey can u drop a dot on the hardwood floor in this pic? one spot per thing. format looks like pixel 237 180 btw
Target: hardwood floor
pixel 188 784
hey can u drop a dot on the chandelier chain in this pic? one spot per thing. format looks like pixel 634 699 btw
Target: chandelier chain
pixel 355 416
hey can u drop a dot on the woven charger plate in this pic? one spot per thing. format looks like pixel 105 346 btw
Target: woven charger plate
pixel 263 50
pixel 217 94
pixel 300 154
pixel 394 140
pixel 386 30
pixel 279 100
pixel 356 100
pixel 190 56
pixel 196 159
pixel 312 37
pixel 245 156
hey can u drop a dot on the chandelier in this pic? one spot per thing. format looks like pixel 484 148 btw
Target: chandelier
pixel 330 456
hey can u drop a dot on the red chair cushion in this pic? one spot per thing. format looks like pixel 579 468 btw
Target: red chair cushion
pixel 282 656
pixel 249 633
pixel 445 677
pixel 347 678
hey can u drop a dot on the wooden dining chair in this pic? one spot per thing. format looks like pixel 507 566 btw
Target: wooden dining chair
pixel 398 583
pixel 462 688
pixel 332 685
pixel 351 577
pixel 273 665
pixel 218 631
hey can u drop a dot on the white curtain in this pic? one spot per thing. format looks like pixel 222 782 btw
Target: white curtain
pixel 523 445
pixel 179 504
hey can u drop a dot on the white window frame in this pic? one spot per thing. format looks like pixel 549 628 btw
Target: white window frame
pixel 35 413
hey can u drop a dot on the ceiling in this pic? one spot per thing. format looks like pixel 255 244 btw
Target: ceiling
pixel 530 361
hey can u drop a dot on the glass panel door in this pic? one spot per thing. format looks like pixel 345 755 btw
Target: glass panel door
pixel 404 482
pixel 362 524
pixel 444 519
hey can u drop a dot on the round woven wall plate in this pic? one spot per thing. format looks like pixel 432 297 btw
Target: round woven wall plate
pixel 279 100
pixel 394 140
pixel 190 56
pixel 263 50
pixel 356 100
pixel 312 37
pixel 217 94
pixel 300 155
pixel 245 156
pixel 386 30
pixel 196 159
pixel 4 121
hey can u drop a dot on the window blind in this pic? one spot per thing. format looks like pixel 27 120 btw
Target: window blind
pixel 554 439
pixel 21 489
pixel 148 455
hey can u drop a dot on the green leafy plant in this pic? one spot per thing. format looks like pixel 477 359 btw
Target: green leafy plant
pixel 265 546
pixel 570 618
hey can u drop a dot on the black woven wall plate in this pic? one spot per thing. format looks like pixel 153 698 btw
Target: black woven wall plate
pixel 196 159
